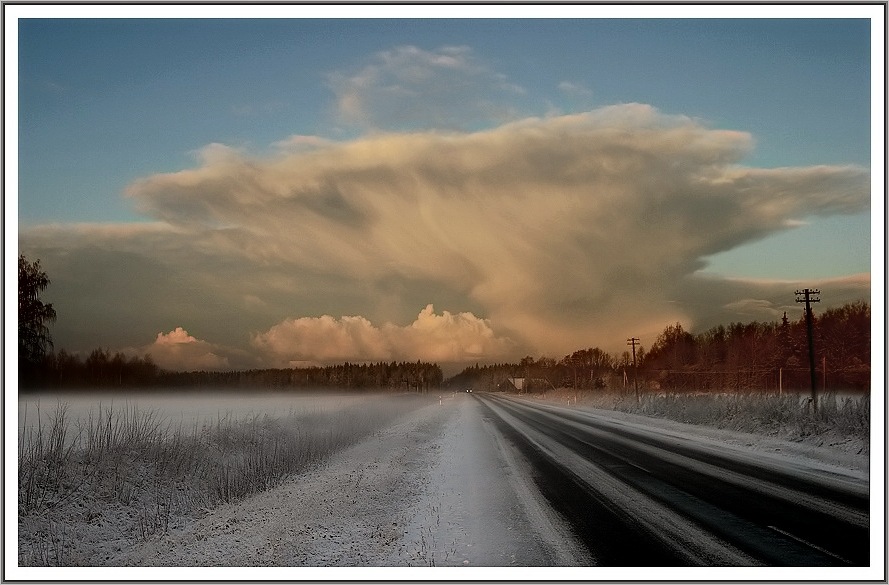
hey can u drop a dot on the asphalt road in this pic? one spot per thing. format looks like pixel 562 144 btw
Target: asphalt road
pixel 637 497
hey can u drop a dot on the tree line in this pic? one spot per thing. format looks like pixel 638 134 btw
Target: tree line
pixel 103 369
pixel 740 356
pixel 42 368
pixel 403 376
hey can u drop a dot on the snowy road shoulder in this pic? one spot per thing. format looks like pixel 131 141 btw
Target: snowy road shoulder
pixel 482 508
pixel 436 489
pixel 353 510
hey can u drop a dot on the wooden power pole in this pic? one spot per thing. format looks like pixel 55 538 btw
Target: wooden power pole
pixel 633 341
pixel 809 296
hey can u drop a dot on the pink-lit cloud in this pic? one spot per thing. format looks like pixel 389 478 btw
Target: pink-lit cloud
pixel 443 338
pixel 177 350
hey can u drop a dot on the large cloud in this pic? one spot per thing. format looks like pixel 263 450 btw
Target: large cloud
pixel 444 338
pixel 561 232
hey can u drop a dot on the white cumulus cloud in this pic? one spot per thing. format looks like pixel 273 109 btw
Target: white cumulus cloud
pixel 177 351
pixel 443 338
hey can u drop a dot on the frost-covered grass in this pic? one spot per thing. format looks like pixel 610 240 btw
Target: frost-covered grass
pixel 133 473
pixel 789 416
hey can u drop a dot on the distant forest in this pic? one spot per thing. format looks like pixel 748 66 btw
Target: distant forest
pixel 740 357
pixel 103 370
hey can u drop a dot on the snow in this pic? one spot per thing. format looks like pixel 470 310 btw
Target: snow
pixel 841 456
pixel 438 488
pixel 416 494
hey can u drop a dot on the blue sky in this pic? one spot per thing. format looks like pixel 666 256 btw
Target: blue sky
pixel 115 106
pixel 143 94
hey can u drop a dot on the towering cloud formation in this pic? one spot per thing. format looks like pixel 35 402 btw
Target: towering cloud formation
pixel 560 232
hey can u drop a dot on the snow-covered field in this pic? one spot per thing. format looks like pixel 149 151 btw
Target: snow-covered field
pixel 842 422
pixel 830 444
pixel 434 486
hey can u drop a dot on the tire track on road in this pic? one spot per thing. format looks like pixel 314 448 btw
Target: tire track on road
pixel 620 527
pixel 695 511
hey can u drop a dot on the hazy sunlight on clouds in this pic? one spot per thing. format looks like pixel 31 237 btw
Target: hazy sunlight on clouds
pixel 564 232
pixel 445 338
pixel 178 350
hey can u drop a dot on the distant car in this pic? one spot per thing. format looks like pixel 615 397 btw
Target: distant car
pixel 469 389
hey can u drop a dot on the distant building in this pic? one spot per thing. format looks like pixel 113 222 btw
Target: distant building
pixel 511 384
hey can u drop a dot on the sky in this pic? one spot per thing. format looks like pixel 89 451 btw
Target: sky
pixel 239 193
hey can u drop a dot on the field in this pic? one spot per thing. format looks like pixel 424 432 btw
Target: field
pixel 136 472
pixel 842 420
pixel 97 479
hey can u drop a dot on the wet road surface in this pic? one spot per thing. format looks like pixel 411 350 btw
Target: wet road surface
pixel 636 497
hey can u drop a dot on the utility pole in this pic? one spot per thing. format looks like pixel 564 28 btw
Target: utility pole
pixel 633 341
pixel 810 296
pixel 574 361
